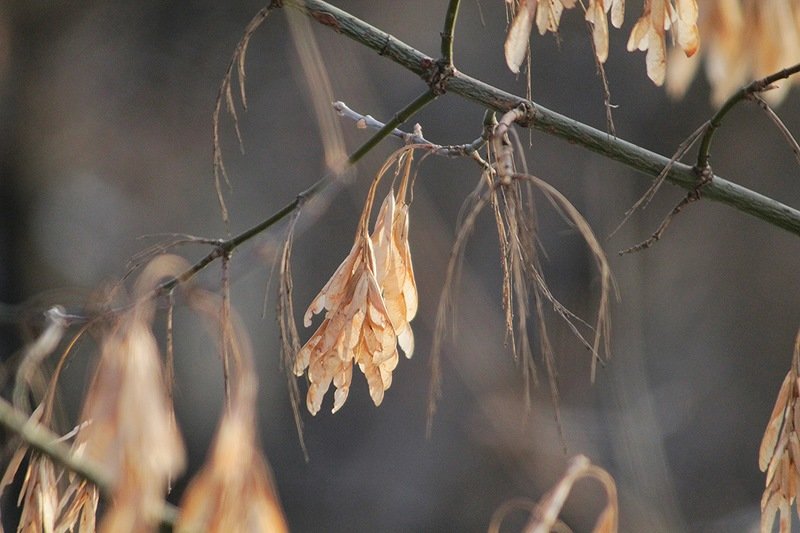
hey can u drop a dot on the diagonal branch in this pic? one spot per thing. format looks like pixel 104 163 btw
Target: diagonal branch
pixel 547 121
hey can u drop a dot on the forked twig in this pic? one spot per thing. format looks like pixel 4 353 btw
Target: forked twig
pixel 744 93
pixel 691 196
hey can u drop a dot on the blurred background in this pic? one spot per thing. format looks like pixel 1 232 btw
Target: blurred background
pixel 105 137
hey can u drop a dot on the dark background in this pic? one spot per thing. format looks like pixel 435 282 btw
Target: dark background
pixel 105 136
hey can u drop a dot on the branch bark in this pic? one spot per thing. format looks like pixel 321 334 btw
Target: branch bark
pixel 547 121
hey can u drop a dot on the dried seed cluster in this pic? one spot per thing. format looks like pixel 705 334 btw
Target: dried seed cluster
pixel 779 455
pixel 743 40
pixel 368 302
pixel 648 34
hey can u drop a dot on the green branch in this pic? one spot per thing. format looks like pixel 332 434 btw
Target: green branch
pixel 225 247
pixel 449 31
pixel 550 122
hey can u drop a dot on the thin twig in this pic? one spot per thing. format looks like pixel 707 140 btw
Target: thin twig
pixel 651 191
pixel 691 196
pixel 790 140
pixel 453 150
pixel 744 93
pixel 225 247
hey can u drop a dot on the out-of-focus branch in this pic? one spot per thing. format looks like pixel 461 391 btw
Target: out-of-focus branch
pixel 48 443
pixel 547 121
pixel 45 441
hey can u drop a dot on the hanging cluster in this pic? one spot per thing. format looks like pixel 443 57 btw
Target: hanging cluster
pixel 648 34
pixel 779 455
pixel 368 303
pixel 743 40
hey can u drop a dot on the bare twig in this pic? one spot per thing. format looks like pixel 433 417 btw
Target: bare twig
pixel 790 140
pixel 455 150
pixel 744 93
pixel 691 196
pixel 651 191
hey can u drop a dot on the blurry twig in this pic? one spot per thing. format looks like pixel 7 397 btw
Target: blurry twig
pixel 546 515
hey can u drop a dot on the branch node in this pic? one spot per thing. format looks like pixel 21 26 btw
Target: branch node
pixel 437 73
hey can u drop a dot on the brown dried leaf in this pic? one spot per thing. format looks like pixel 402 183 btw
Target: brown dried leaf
pixel 596 15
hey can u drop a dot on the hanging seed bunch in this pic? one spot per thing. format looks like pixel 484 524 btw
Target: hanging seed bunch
pixel 369 302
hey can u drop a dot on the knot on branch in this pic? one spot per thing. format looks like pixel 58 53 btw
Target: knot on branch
pixel 436 74
pixel 705 175
pixel 526 114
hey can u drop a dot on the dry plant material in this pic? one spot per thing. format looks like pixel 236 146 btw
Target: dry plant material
pixel 51 499
pixel 545 517
pixel 394 270
pixel 511 197
pixel 129 429
pixel 742 40
pixel 779 455
pixel 368 303
pixel 225 95
pixel 648 34
pixel 38 497
pixel 287 327
pixel 318 84
pixel 546 14
pixel 596 15
pixel 233 490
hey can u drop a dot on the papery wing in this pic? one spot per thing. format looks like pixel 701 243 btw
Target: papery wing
pixel 334 290
pixel 519 34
